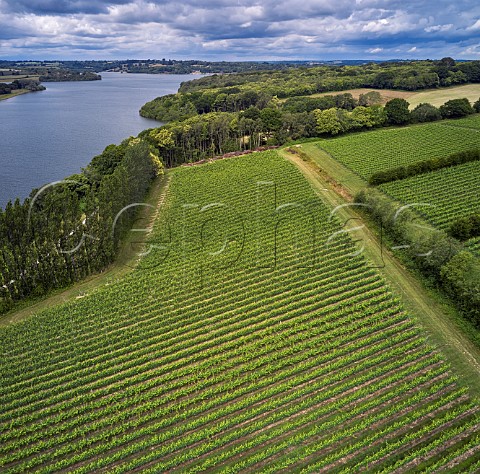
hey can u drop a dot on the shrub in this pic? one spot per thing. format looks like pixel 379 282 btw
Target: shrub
pixel 476 106
pixel 456 108
pixel 425 113
pixel 466 227
pixel 397 111
pixel 461 279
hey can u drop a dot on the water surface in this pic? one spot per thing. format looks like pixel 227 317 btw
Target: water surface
pixel 46 136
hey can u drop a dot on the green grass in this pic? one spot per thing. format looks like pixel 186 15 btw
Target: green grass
pixel 219 353
pixel 438 97
pixel 366 153
pixel 449 193
pixel 19 76
pixel 14 94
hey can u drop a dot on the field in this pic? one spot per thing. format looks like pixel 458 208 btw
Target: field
pixel 252 337
pixel 366 153
pixel 449 193
pixel 19 76
pixel 472 121
pixel 474 246
pixel 435 97
pixel 438 97
pixel 13 94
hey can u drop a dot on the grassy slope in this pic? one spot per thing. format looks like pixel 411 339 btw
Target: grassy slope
pixel 435 97
pixel 199 366
pixel 14 94
pixel 434 315
pixel 438 97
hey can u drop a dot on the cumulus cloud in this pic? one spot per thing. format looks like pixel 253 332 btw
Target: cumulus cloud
pixel 238 29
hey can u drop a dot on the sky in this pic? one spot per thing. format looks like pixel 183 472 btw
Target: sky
pixel 239 29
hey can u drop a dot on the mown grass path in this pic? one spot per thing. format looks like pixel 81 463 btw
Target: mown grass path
pixel 461 352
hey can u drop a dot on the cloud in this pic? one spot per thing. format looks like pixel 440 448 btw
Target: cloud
pixel 475 26
pixel 438 28
pixel 473 50
pixel 237 29
pixel 59 7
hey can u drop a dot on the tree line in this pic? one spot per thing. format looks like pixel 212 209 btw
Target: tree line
pixel 200 136
pixel 425 166
pixel 17 84
pixel 439 256
pixel 65 231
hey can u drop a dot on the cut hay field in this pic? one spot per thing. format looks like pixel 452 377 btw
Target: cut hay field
pixel 438 97
pixel 19 76
pixel 252 337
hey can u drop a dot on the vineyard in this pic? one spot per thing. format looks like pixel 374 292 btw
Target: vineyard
pixel 252 337
pixel 474 246
pixel 472 121
pixel 366 153
pixel 449 193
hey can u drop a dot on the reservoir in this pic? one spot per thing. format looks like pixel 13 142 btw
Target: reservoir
pixel 49 135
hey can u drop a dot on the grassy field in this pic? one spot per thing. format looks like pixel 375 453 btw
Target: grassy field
pixel 435 97
pixel 438 97
pixel 448 193
pixel 252 337
pixel 13 94
pixel 366 153
pixel 20 76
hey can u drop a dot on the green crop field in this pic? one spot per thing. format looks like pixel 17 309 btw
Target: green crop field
pixel 449 193
pixel 366 153
pixel 474 246
pixel 472 121
pixel 251 338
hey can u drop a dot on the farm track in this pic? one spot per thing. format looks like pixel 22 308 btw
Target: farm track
pixel 431 314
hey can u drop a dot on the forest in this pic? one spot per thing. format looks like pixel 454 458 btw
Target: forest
pixel 233 93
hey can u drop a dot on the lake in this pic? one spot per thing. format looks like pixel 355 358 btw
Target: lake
pixel 46 136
